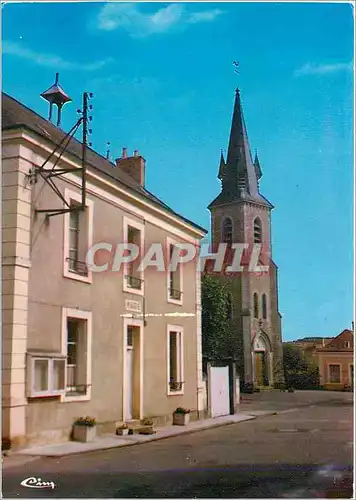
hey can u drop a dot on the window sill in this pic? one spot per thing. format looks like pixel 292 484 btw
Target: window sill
pixel 175 393
pixel 174 301
pixel 135 291
pixel 78 277
pixel 72 399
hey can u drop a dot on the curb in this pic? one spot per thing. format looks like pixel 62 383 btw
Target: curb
pixel 135 443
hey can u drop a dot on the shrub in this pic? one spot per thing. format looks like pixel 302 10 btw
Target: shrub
pixel 181 410
pixel 86 421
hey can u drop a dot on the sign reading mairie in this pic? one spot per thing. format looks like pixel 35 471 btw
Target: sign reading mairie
pixel 133 306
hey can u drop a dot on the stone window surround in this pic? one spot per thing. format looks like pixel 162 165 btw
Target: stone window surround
pixel 76 197
pixel 87 316
pixel 169 242
pixel 129 222
pixel 180 331
pixel 328 373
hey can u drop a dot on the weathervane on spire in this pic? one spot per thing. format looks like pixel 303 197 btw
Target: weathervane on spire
pixel 236 65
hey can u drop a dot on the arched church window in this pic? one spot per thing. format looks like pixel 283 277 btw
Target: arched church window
pixel 264 306
pixel 255 305
pixel 257 230
pixel 227 230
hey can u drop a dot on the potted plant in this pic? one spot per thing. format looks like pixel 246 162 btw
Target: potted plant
pixel 84 429
pixel 122 430
pixel 181 416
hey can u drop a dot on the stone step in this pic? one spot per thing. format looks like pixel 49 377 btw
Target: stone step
pixel 136 427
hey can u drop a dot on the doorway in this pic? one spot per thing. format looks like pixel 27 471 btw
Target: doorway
pixel 261 368
pixel 132 386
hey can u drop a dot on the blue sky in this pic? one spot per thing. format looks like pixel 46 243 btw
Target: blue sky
pixel 164 83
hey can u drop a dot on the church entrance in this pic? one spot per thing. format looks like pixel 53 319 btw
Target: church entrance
pixel 261 368
pixel 262 361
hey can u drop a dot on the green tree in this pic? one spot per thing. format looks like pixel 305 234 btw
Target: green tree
pixel 299 371
pixel 217 342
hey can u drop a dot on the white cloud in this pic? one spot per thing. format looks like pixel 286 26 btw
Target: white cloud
pixel 48 60
pixel 131 18
pixel 322 69
pixel 204 16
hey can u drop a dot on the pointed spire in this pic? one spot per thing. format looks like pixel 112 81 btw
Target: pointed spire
pixel 222 166
pixel 239 174
pixel 240 171
pixel 257 166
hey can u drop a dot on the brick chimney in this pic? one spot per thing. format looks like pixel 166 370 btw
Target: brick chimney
pixel 134 166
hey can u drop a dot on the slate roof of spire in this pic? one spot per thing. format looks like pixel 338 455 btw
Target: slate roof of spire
pixel 16 115
pixel 240 171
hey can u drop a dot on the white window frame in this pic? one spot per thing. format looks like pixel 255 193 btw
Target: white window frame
pixel 50 358
pixel 86 316
pixel 334 364
pixel 169 242
pixel 180 355
pixel 71 196
pixel 127 222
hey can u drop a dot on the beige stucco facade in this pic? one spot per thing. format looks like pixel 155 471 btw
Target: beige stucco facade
pixel 41 294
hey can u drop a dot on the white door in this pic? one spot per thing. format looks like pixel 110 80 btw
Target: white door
pixel 219 391
pixel 129 382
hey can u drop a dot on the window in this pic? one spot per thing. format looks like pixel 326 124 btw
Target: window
pixel 76 354
pixel 255 305
pixel 264 306
pixel 78 236
pixel 347 345
pixel 257 230
pixel 334 374
pixel 46 375
pixel 227 231
pixel 229 306
pixel 175 360
pixel 134 237
pixel 76 347
pixel 174 273
pixel 174 277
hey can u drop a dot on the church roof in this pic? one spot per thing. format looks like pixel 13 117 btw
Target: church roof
pixel 240 174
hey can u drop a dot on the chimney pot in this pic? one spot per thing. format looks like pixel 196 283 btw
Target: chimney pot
pixel 124 152
pixel 136 152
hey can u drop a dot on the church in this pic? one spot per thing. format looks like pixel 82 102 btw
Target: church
pixel 240 214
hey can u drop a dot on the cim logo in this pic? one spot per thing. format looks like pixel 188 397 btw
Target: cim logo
pixel 37 482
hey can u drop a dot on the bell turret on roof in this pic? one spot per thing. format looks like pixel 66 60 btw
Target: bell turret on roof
pixel 240 174
pixel 55 95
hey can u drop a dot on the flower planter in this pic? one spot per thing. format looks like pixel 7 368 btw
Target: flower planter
pixel 122 432
pixel 84 433
pixel 181 418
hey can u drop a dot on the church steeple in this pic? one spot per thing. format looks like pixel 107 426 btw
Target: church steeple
pixel 239 174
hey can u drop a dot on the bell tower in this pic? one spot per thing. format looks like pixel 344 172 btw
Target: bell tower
pixel 241 214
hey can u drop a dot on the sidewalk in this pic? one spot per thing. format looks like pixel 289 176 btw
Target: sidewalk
pixel 106 442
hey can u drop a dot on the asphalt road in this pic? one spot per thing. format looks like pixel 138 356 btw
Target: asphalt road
pixel 305 453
